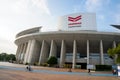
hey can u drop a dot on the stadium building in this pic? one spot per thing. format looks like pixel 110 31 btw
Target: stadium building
pixel 77 42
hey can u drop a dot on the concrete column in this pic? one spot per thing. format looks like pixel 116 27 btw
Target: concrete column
pixel 114 46
pixel 27 52
pixel 20 52
pixel 74 54
pixel 62 54
pixel 25 46
pixel 88 53
pixel 53 49
pixel 21 56
pixel 34 52
pixel 24 51
pixel 44 52
pixel 17 52
pixel 101 52
pixel 31 51
pixel 18 57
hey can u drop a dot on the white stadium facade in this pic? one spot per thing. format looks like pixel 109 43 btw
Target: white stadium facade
pixel 77 42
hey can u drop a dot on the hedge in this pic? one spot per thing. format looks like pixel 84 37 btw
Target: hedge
pixel 103 67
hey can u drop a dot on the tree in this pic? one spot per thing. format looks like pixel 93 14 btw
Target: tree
pixel 7 57
pixel 3 57
pixel 52 61
pixel 115 52
pixel 12 57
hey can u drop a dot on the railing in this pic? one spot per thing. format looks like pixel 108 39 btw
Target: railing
pixel 81 60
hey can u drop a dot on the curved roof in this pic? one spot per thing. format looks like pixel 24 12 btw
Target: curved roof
pixel 69 36
pixel 116 26
pixel 29 31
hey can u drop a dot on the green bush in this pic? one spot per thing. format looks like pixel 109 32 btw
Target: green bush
pixel 20 62
pixel 78 66
pixel 36 64
pixel 52 61
pixel 103 67
pixel 67 66
pixel 26 63
pixel 44 64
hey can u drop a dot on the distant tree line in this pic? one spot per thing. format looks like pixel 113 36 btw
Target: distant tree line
pixel 7 57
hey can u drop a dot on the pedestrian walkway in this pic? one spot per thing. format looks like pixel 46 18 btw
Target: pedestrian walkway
pixel 56 72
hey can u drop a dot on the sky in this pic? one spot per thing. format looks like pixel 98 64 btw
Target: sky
pixel 18 15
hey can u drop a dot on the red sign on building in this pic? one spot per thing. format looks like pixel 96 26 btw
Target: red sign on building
pixel 74 21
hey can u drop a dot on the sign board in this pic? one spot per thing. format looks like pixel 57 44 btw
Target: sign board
pixel 118 70
pixel 74 21
pixel 77 21
pixel 89 66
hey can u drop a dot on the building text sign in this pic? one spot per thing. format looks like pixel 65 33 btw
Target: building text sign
pixel 77 21
pixel 74 21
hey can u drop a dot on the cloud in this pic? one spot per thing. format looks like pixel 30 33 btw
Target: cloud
pixel 117 18
pixel 25 6
pixel 20 7
pixel 117 15
pixel 17 15
pixel 101 17
pixel 42 4
pixel 7 46
pixel 95 5
pixel 92 5
pixel 77 8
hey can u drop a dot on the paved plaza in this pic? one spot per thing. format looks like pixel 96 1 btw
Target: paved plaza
pixel 11 71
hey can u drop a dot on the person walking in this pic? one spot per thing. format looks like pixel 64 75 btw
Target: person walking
pixel 29 68
pixel 89 71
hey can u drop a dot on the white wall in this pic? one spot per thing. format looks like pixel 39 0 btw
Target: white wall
pixel 87 22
